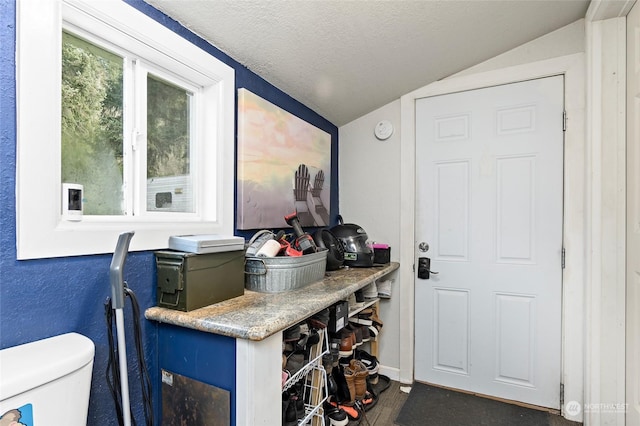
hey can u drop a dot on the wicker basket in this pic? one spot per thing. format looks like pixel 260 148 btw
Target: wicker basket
pixel 284 273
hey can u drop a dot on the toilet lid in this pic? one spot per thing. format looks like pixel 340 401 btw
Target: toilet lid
pixel 25 367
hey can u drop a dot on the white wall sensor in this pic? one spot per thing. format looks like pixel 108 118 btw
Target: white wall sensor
pixel 72 200
pixel 383 130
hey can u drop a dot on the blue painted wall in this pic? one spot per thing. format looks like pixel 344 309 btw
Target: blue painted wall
pixel 42 298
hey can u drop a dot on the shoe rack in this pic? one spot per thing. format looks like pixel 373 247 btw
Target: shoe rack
pixel 373 343
pixel 315 382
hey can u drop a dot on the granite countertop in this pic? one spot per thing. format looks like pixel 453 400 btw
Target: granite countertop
pixel 256 316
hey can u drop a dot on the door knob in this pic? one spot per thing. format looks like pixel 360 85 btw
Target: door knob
pixel 424 268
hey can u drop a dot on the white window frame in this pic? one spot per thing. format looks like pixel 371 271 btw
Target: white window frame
pixel 41 230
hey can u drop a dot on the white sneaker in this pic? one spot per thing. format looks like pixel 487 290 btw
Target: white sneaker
pixel 351 301
pixel 384 288
pixel 370 291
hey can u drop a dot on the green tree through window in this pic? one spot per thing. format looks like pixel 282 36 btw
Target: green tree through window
pixel 92 123
pixel 168 130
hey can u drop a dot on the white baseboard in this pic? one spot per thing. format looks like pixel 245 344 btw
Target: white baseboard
pixel 391 372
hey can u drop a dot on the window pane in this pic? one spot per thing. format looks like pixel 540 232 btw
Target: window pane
pixel 169 182
pixel 92 124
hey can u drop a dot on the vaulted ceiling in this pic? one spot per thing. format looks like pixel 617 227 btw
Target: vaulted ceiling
pixel 345 58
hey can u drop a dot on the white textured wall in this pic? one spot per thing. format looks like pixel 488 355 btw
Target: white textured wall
pixel 369 170
pixel 369 176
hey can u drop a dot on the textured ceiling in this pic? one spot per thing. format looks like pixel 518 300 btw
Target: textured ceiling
pixel 345 58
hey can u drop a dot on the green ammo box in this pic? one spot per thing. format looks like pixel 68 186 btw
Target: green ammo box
pixel 188 281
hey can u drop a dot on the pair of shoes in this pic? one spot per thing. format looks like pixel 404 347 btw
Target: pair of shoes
pixel 295 361
pixel 330 359
pixel 361 331
pixel 347 339
pixel 368 318
pixel 295 337
pixel 337 416
pixel 384 288
pixel 377 322
pixel 292 407
pixel 369 361
pixel 355 300
pixel 344 386
pixel 383 384
pixel 353 411
pixel 327 361
pixel 357 332
pixel 292 334
pixel 368 401
pixel 370 291
pixel 350 378
pixel 363 317
pixel 351 302
pixel 285 410
pixel 366 334
pixel 373 331
pixel 312 340
pixel 320 319
pixel 360 374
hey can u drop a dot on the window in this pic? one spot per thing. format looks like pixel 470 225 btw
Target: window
pixel 93 113
pixel 139 118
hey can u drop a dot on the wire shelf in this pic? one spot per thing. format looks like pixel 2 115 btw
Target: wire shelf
pixel 298 375
pixel 315 385
pixel 320 388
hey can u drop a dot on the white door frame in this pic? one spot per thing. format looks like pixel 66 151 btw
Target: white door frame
pixel 605 298
pixel 632 385
pixel 575 189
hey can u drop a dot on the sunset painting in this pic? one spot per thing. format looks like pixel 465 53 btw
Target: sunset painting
pixel 284 166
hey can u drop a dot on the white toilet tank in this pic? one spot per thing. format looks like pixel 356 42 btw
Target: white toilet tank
pixel 47 382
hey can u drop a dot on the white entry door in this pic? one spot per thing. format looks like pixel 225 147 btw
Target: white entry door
pixel 633 217
pixel 489 207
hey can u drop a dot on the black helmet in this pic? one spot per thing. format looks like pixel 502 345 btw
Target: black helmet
pixel 335 257
pixel 354 242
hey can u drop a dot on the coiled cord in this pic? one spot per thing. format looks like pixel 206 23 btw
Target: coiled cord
pixel 113 368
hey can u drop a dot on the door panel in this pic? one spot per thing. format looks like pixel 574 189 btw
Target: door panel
pixel 515 338
pixel 452 210
pixel 489 204
pixel 516 215
pixel 451 322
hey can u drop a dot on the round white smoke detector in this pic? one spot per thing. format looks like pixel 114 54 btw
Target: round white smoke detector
pixel 383 130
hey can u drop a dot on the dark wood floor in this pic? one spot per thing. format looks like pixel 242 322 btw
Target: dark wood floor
pixel 390 402
pixel 387 408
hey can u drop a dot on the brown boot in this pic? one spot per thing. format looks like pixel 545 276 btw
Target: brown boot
pixel 356 332
pixel 360 372
pixel 374 317
pixel 346 343
pixel 350 376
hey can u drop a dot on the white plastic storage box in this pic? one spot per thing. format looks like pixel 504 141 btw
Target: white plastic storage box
pixel 207 243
